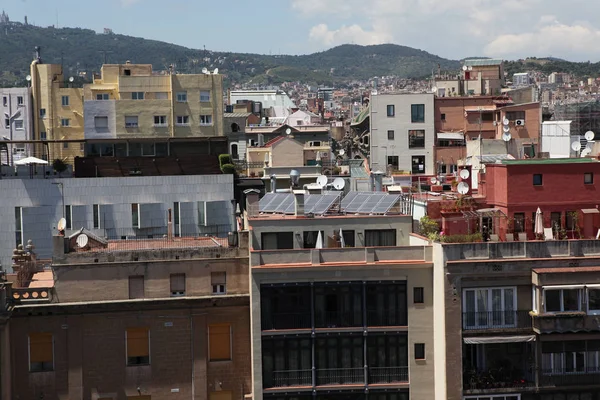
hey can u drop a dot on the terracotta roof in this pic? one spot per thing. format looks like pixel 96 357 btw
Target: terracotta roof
pixel 43 279
pixel 563 270
pixel 273 141
pixel 154 244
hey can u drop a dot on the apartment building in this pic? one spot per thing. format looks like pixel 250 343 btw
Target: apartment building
pixel 483 77
pixel 16 124
pixel 402 134
pixel 127 207
pixel 342 305
pixel 154 319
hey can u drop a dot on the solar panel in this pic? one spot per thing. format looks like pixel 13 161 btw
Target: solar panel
pixel 368 206
pixel 310 201
pixel 386 203
pixel 348 198
pixel 264 202
pixel 325 202
pixel 357 202
pixel 274 204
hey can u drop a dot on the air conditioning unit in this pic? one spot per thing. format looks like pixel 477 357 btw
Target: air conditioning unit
pixel 520 122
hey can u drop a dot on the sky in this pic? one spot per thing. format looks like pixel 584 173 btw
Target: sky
pixel 454 29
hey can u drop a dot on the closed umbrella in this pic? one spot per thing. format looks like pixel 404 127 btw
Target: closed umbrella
pixel 539 222
pixel 342 242
pixel 319 243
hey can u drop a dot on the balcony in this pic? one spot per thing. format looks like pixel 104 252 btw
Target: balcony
pixel 299 320
pixel 498 379
pixel 340 376
pixel 301 377
pixel 386 317
pixel 557 378
pixel 563 322
pixel 379 375
pixel 337 319
pixel 496 320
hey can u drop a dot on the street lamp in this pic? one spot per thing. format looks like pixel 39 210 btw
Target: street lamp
pixel 62 195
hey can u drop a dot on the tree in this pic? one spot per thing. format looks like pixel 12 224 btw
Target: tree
pixel 428 226
pixel 59 166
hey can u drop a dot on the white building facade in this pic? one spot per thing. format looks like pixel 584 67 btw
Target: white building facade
pixel 402 133
pixel 15 104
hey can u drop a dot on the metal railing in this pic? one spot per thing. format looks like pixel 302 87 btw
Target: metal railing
pixel 511 319
pixel 388 374
pixel 336 319
pixel 583 376
pixel 301 377
pixel 340 376
pixel 498 379
pixel 286 321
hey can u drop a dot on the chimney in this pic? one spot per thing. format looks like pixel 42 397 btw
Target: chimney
pixel 261 140
pixel 251 202
pixel 169 225
pixel 299 203
pixel 378 181
pixel 273 183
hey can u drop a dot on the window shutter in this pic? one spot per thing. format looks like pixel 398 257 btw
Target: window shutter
pixel 177 282
pixel 138 344
pixel 219 336
pixel 218 278
pixel 40 347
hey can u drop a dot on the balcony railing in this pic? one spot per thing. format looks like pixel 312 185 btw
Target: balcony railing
pixel 340 376
pixel 498 379
pixel 388 374
pixel 335 319
pixel 286 321
pixel 554 378
pixel 301 377
pixel 496 320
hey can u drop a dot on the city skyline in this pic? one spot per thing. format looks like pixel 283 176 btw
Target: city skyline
pixel 456 30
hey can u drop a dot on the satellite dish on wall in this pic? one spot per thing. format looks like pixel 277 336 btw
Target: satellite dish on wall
pixel 585 152
pixel 322 181
pixel 464 174
pixel 71 79
pixel 463 187
pixel 506 137
pixel 342 152
pixel 62 224
pixel 339 183
pixel 589 136
pixel 216 71
pixel 470 68
pixel 288 131
pixel 82 240
pixel 28 78
pixel 204 70
pixel 505 122
pixel 506 128
pixel 434 90
pixel 433 181
pixel 576 146
pixel 464 68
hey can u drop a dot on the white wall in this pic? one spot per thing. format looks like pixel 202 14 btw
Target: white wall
pixel 556 138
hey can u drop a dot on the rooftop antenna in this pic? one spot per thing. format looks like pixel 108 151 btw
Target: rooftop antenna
pixel 339 183
pixel 322 181
pixel 205 70
pixel 463 187
pixel 576 147
pixel 464 173
pixel 216 71
pixel 589 136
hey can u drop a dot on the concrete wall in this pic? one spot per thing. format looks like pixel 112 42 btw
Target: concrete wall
pixel 193 84
pixel 401 124
pixel 41 201
pixel 100 108
pixel 287 153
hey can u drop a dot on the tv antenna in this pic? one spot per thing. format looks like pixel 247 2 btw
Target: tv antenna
pixel 589 136
pixel 339 183
pixel 322 181
pixel 463 187
pixel 506 136
pixel 505 122
pixel 576 146
pixel 216 71
pixel 205 70
pixel 464 174
pixel 464 68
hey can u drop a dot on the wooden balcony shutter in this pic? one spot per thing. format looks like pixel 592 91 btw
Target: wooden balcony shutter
pixel 177 283
pixel 218 278
pixel 138 342
pixel 40 348
pixel 219 339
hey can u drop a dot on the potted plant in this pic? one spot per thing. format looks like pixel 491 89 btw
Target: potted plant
pixel 59 166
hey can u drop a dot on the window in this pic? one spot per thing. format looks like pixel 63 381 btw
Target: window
pixel 69 217
pixel 96 215
pixel 234 151
pixel 137 96
pixel 286 354
pixel 41 352
pixel 487 117
pixel 160 120
pixel 65 145
pixel 5 101
pixel 393 161
pixel 570 357
pixel 138 346
pixel 218 280
pixel 136 287
pixel 206 120
pixel 131 121
pixel 161 96
pixel 101 96
pixel 182 97
pixel 519 222
pixel 148 149
pixel 561 300
pixel 43 136
pixel 204 95
pixel 18 226
pixel 6 123
pixel 183 120
pixel 514 115
pixel 380 237
pixel 418 295
pixel 418 164
pixel 537 180
pixel 588 178
pixel 593 300
pixel 135 215
pixel 19 124
pixel 570 217
pixel 19 100
pixel 348 236
pixel 65 101
pixel 556 220
pixel 219 342
pixel 277 240
pixel 419 351
pixel 443 117
pixel 417 113
pixel 390 135
pixel 416 139
pixel 65 122
pixel 177 285
pixel 311 238
pixel 391 110
pixel 201 213
pixel 42 113
pixel 127 72
pixel 101 122
pixel 489 307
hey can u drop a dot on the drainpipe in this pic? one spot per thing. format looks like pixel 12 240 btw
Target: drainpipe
pixel 169 225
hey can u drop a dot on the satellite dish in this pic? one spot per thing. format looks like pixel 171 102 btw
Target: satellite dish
pixel 28 78
pixel 585 152
pixel 322 181
pixel 62 224
pixel 464 174
pixel 506 137
pixel 470 68
pixel 506 128
pixel 339 183
pixel 463 187
pixel 342 152
pixel 589 136
pixel 433 181
pixel 505 122
pixel 576 146
pixel 204 70
pixel 434 89
pixel 288 131
pixel 71 79
pixel 464 68
pixel 216 71
pixel 82 240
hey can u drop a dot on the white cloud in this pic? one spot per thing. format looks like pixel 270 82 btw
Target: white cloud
pixel 347 34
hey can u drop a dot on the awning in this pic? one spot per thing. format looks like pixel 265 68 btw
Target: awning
pixel 480 108
pixel 451 136
pixel 590 211
pixel 499 339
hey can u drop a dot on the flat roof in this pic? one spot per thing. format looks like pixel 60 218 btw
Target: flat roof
pixel 534 161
